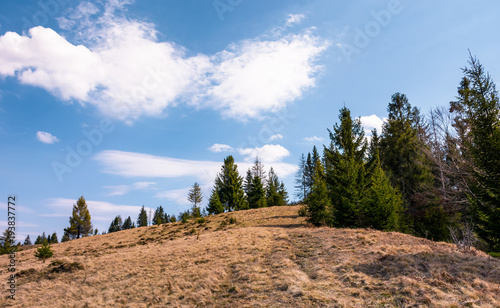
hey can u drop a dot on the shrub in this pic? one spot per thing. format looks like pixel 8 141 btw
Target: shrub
pixel 232 220
pixel 303 211
pixel 201 220
pixel 44 252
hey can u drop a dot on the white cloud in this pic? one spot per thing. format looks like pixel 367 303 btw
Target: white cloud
pixel 314 139
pixel 217 148
pixel 268 153
pixel 20 208
pixel 46 137
pixel 99 210
pixel 177 195
pixel 276 137
pixel 293 19
pixel 122 69
pixel 371 122
pixel 129 164
pixel 120 190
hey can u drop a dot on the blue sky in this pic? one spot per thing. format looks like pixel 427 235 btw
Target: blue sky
pixel 129 103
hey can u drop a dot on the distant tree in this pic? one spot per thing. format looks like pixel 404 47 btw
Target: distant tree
pixel 258 170
pixel 195 196
pixel 247 185
pixel 39 240
pixel 80 224
pixel 44 252
pixel 27 241
pixel 65 237
pixel 128 224
pixel 116 224
pixel 6 242
pixel 257 194
pixel 276 194
pixel 184 216
pixel 300 179
pixel 142 220
pixel 159 216
pixel 173 219
pixel 53 238
pixel 96 231
pixel 214 205
pixel 229 185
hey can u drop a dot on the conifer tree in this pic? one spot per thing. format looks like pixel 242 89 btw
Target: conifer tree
pixel 195 196
pixel 345 177
pixel 27 241
pixel 214 204
pixel 44 252
pixel 65 237
pixel 479 102
pixel 142 220
pixel 276 193
pixel 159 216
pixel 318 205
pixel 247 187
pixel 257 195
pixel 80 224
pixel 53 238
pixel 6 242
pixel 116 224
pixel 229 185
pixel 128 224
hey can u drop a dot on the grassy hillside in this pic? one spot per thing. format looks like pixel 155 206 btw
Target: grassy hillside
pixel 268 258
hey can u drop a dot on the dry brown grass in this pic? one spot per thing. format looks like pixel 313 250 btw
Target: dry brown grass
pixel 269 258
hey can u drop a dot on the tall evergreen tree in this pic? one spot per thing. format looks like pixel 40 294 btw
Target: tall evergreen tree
pixel 116 224
pixel 159 216
pixel 247 185
pixel 318 204
pixel 258 170
pixel 257 195
pixel 276 194
pixel 479 103
pixel 195 196
pixel 79 222
pixel 128 224
pixel 40 239
pixel 346 176
pixel 142 220
pixel 214 204
pixel 229 185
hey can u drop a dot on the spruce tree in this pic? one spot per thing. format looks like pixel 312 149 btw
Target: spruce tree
pixel 128 224
pixel 53 238
pixel 345 176
pixel 142 220
pixel 80 224
pixel 257 195
pixel 214 204
pixel 27 241
pixel 116 224
pixel 478 98
pixel 159 216
pixel 276 194
pixel 229 185
pixel 195 196
pixel 65 237
pixel 318 204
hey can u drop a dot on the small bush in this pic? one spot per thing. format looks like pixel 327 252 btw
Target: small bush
pixel 495 254
pixel 303 211
pixel 232 220
pixel 201 220
pixel 193 231
pixel 44 252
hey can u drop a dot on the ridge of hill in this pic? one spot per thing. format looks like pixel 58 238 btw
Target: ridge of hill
pixel 267 257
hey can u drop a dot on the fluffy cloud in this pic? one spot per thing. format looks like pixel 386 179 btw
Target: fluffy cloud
pixel 371 122
pixel 120 190
pixel 268 153
pixel 217 148
pixel 122 69
pixel 314 139
pixel 293 19
pixel 177 195
pixel 46 137
pixel 129 164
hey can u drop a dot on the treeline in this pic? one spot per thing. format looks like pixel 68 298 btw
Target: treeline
pixel 425 174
